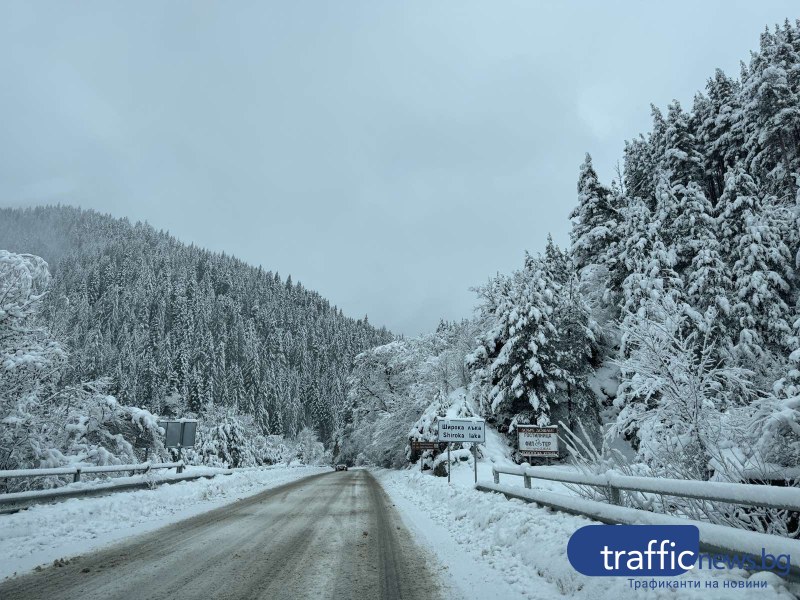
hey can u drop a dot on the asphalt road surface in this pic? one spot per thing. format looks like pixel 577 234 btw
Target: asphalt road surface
pixel 333 535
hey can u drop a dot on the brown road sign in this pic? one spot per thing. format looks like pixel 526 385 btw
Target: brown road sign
pixel 423 445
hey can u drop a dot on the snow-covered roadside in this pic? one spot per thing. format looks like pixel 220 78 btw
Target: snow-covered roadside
pixel 521 544
pixel 45 533
pixel 464 576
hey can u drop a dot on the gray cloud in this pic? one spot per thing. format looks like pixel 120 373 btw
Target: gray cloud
pixel 389 155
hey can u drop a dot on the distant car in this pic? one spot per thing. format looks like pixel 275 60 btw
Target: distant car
pixel 341 467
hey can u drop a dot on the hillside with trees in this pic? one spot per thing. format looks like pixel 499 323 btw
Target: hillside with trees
pixel 177 330
pixel 672 321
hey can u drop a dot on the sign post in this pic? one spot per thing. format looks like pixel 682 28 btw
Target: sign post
pixel 475 460
pixel 469 429
pixel 537 441
pixel 449 464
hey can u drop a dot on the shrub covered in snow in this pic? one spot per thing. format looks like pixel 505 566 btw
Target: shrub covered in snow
pixel 42 422
pixel 676 393
pixel 223 440
pixel 229 439
pixel 310 451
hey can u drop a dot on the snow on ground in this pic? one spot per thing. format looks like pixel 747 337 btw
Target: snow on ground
pixel 463 577
pixel 483 538
pixel 45 533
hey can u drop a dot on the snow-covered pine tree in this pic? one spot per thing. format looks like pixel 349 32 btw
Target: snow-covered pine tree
pixel 760 267
pixel 708 283
pixel 515 356
pixel 719 131
pixel 681 161
pixel 642 156
pixel 691 226
pixel 772 102
pixel 577 344
pixel 225 439
pixel 647 259
pixel 595 220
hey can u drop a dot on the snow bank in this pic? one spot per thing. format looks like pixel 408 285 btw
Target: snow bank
pixel 527 544
pixel 44 533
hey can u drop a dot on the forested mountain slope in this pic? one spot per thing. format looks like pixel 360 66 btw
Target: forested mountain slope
pixel 181 330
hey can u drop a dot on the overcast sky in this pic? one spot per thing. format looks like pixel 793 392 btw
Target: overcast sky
pixel 388 154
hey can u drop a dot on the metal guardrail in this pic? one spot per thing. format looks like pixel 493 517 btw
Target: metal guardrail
pixel 713 538
pixel 77 470
pixel 787 498
pixel 15 501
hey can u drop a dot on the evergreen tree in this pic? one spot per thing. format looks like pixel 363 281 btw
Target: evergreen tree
pixel 759 263
pixel 576 347
pixel 681 161
pixel 708 284
pixel 594 220
pixel 772 102
pixel 719 116
pixel 516 355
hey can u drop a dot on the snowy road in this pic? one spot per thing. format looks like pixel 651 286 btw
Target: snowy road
pixel 333 535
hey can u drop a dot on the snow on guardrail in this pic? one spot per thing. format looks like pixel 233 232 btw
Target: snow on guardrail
pixel 73 469
pixel 782 498
pixel 70 491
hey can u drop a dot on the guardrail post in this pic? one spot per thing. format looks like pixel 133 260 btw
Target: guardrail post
pixel 77 476
pixel 527 480
pixel 179 468
pixel 496 475
pixel 615 495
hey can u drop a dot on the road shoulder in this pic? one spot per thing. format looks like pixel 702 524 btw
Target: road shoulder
pixel 410 569
pixel 462 575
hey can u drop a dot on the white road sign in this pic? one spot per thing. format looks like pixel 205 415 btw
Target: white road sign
pixel 538 441
pixel 462 430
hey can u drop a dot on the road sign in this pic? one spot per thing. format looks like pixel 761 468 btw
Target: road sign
pixel 424 445
pixel 538 441
pixel 462 430
pixel 179 434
